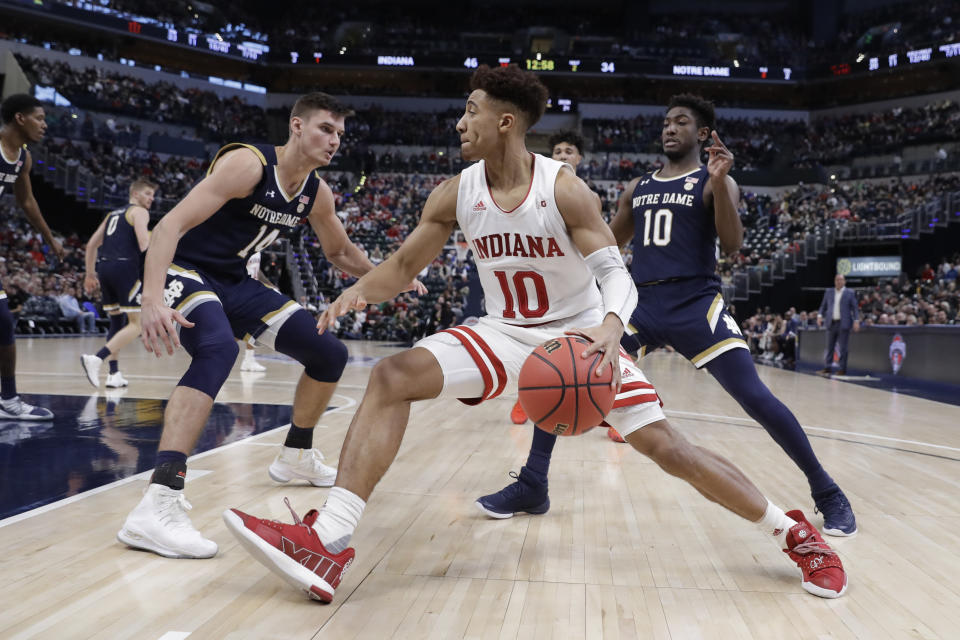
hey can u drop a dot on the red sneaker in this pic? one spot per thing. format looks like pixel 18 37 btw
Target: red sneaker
pixel 823 573
pixel 292 551
pixel 614 435
pixel 518 415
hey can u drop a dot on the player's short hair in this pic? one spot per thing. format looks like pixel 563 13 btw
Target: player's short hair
pixel 702 109
pixel 319 101
pixel 567 135
pixel 142 183
pixel 17 103
pixel 523 89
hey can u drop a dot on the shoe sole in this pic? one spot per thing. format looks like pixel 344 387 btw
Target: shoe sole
pixel 839 533
pixel 276 477
pixel 137 541
pixel 291 571
pixel 9 416
pixel 91 379
pixel 809 587
pixel 537 511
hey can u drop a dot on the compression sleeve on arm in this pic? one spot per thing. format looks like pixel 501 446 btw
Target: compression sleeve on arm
pixel 616 286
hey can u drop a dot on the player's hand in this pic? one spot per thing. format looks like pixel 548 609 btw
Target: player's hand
pixel 350 300
pixel 721 160
pixel 856 326
pixel 605 338
pixel 159 327
pixel 57 248
pixel 417 287
pixel 90 283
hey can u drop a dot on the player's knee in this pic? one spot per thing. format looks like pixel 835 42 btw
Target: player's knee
pixel 664 445
pixel 213 358
pixel 392 377
pixel 323 357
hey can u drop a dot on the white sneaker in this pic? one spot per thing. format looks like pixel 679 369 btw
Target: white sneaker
pixel 116 380
pixel 17 409
pixel 250 364
pixel 302 464
pixel 91 366
pixel 159 523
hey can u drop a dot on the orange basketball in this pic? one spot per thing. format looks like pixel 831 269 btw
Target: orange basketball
pixel 561 391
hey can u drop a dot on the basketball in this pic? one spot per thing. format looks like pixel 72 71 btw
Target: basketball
pixel 561 391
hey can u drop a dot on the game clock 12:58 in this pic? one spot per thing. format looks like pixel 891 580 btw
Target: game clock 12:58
pixel 544 64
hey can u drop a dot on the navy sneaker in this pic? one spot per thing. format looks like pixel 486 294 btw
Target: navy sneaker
pixel 838 518
pixel 527 495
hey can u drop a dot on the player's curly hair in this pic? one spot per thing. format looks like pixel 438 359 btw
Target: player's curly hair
pixel 17 103
pixel 522 89
pixel 566 135
pixel 702 108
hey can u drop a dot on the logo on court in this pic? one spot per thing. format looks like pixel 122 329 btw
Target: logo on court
pixel 898 353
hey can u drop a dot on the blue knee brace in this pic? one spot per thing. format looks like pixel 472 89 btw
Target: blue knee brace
pixel 322 356
pixel 117 322
pixel 211 345
pixel 6 324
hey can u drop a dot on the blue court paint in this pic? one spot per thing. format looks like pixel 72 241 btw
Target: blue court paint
pixel 93 441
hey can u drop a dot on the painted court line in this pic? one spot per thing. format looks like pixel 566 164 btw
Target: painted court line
pixel 681 414
pixel 175 635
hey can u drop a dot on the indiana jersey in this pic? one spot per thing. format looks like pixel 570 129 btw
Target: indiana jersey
pixel 119 237
pixel 530 270
pixel 674 233
pixel 10 169
pixel 222 243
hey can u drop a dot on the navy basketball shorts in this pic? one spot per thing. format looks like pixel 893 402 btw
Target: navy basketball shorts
pixel 119 285
pixel 255 311
pixel 689 315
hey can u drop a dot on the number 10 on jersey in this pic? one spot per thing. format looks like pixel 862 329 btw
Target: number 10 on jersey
pixel 518 283
pixel 661 223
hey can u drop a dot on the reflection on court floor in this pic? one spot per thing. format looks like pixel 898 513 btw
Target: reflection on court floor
pixel 95 440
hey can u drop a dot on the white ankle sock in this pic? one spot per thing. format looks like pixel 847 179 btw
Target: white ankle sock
pixel 776 523
pixel 338 518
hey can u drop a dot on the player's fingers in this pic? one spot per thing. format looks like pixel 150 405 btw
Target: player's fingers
pixel 592 348
pixel 182 319
pixel 716 139
pixel 617 381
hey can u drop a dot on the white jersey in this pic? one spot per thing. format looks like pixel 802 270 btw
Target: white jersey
pixel 530 270
pixel 253 266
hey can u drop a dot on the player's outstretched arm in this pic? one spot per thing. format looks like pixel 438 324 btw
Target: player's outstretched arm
pixel 622 223
pixel 23 190
pixel 395 273
pixel 596 242
pixel 723 192
pixel 90 281
pixel 233 176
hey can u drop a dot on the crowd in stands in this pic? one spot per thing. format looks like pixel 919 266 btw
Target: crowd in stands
pixel 43 292
pixel 777 143
pixel 212 116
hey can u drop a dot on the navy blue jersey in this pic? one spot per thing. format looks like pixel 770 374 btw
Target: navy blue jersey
pixel 119 237
pixel 674 232
pixel 221 244
pixel 10 170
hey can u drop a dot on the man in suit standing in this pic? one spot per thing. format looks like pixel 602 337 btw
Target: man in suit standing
pixel 839 311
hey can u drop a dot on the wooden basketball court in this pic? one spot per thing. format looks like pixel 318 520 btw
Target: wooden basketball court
pixel 624 552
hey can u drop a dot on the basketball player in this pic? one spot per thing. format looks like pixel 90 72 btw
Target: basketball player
pixel 195 277
pixel 565 146
pixel 530 221
pixel 250 363
pixel 116 269
pixel 24 120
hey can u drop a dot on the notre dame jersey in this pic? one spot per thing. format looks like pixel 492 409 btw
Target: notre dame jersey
pixel 119 237
pixel 674 232
pixel 221 244
pixel 10 170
